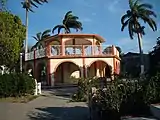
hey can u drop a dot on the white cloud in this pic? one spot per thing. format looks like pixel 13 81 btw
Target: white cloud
pixel 113 7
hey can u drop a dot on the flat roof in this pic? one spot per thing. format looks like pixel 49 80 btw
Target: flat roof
pixel 72 35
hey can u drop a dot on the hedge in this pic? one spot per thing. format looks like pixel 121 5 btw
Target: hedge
pixel 16 85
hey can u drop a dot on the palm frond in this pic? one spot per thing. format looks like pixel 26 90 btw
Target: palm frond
pixel 152 24
pixel 36 1
pixel 59 27
pixel 45 36
pixel 136 3
pixel 123 18
pixel 147 12
pixel 46 32
pixel 144 6
pixel 56 27
pixel 75 24
pixel 35 38
pixel 68 13
pixel 149 21
pixel 38 35
pixel 124 24
pixel 32 3
pixel 130 29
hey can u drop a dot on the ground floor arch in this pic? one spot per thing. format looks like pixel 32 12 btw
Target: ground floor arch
pixel 29 68
pixel 41 73
pixel 67 73
pixel 99 68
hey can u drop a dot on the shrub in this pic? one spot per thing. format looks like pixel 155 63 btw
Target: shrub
pixel 120 98
pixel 84 86
pixel 16 84
pixel 153 90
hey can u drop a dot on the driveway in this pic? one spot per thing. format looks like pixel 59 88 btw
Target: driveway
pixel 52 105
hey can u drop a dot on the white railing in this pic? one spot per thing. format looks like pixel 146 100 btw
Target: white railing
pixel 40 53
pixel 72 50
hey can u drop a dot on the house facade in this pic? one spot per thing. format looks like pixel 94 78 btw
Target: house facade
pixel 68 56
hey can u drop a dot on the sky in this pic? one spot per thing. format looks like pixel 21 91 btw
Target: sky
pixel 97 16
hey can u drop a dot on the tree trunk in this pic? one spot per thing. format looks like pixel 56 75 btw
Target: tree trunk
pixel 141 53
pixel 26 41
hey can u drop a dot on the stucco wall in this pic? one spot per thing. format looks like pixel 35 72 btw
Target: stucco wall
pixel 78 61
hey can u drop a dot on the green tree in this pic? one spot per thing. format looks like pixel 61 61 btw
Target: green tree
pixel 155 59
pixel 12 36
pixel 69 21
pixel 138 12
pixel 28 5
pixel 40 38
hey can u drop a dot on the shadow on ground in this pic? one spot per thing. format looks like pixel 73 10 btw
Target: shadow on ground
pixel 63 92
pixel 59 113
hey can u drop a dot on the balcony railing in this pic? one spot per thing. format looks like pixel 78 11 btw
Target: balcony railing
pixel 71 50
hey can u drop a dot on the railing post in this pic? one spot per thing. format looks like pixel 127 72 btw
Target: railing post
pixel 83 52
pixel 48 50
pixel 92 49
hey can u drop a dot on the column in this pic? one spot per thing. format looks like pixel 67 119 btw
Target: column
pixel 86 71
pixel 81 72
pixel 62 47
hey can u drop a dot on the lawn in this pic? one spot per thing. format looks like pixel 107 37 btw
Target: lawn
pixel 23 99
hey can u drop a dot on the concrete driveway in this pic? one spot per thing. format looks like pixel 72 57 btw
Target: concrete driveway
pixel 52 105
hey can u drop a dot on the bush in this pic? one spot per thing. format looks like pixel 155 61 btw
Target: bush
pixel 153 90
pixel 120 98
pixel 16 84
pixel 84 87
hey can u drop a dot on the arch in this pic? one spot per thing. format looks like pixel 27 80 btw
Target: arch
pixel 69 61
pixel 41 73
pixel 67 72
pixel 99 68
pixel 97 61
pixel 28 66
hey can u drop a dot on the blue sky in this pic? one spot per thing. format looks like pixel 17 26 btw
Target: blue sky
pixel 98 16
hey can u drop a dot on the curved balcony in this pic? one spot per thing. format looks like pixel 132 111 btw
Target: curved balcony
pixel 58 51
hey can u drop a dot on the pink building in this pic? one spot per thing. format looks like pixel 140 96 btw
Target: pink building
pixel 68 56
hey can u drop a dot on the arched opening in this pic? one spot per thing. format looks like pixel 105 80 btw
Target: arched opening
pixel 41 73
pixel 67 72
pixel 99 69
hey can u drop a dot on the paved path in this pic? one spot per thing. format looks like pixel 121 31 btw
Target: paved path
pixel 53 105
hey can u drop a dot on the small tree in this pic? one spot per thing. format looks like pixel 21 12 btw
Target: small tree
pixel 155 59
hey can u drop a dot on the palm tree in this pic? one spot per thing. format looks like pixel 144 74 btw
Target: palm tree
pixel 27 5
pixel 40 37
pixel 69 21
pixel 138 11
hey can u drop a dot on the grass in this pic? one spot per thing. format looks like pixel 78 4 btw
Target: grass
pixel 23 99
